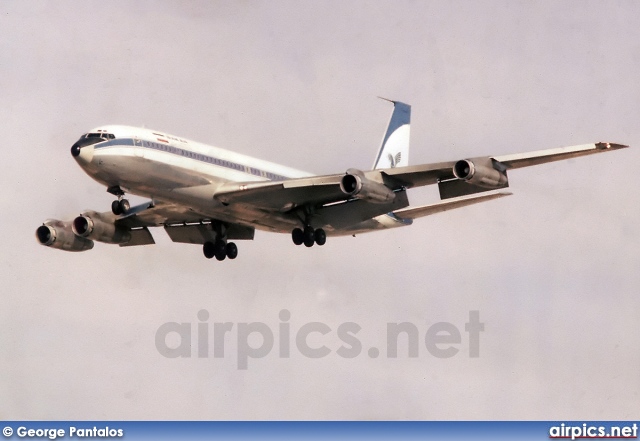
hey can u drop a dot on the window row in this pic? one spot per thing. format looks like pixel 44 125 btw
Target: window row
pixel 212 160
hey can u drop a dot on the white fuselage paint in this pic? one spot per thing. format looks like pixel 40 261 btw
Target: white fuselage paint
pixel 178 171
pixel 396 149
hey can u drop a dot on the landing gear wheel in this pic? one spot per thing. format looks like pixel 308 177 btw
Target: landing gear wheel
pixel 209 250
pixel 220 250
pixel 120 207
pixel 320 236
pixel 115 208
pixel 309 237
pixel 298 236
pixel 232 250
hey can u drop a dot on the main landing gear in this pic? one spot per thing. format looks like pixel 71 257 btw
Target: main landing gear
pixel 219 248
pixel 309 236
pixel 121 206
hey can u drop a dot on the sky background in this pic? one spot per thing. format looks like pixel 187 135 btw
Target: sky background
pixel 552 269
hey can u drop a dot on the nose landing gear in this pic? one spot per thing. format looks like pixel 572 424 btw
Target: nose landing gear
pixel 121 206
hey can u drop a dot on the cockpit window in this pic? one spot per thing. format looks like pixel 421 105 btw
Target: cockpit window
pixel 89 139
pixel 100 135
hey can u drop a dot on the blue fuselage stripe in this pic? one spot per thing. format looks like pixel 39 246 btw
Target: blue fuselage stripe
pixel 167 148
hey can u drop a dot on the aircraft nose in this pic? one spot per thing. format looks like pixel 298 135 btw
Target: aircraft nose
pixel 82 154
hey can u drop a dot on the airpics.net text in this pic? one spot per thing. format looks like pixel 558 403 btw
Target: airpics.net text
pixel 254 340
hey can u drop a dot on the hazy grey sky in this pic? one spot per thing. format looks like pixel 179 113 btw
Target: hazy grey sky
pixel 552 269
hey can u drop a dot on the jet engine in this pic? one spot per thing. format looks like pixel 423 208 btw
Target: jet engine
pixel 92 225
pixel 354 183
pixel 482 175
pixel 57 234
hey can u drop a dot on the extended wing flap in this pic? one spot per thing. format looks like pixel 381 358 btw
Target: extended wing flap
pixel 355 211
pixel 415 175
pixel 453 188
pixel 181 224
pixel 139 236
pixel 152 214
pixel 201 233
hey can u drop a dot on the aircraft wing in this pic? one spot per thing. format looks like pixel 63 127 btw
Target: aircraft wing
pixel 427 174
pixel 321 190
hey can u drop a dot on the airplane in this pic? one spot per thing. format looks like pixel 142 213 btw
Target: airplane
pixel 209 196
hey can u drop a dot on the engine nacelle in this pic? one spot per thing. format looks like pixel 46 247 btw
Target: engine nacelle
pixel 479 174
pixel 354 183
pixel 58 234
pixel 91 225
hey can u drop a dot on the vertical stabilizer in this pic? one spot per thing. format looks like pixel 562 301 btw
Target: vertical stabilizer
pixel 394 149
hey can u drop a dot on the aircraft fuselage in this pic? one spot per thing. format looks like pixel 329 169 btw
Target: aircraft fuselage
pixel 174 170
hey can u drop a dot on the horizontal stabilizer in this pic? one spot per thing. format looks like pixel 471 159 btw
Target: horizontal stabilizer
pixel 426 210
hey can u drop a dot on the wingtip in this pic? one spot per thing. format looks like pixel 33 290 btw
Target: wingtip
pixel 610 146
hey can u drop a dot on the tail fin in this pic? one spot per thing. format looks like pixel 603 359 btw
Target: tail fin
pixel 394 149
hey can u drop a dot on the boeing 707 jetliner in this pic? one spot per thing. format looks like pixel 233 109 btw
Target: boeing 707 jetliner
pixel 209 196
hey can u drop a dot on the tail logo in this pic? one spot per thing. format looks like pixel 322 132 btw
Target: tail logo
pixel 394 161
